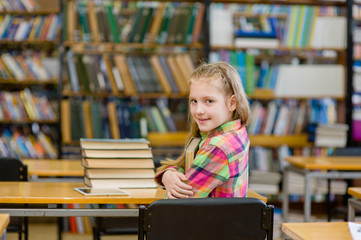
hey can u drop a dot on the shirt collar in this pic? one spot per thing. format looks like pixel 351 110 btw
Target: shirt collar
pixel 225 127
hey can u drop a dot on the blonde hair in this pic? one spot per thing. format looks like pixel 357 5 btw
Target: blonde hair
pixel 232 85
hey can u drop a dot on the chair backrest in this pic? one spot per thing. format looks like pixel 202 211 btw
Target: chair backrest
pixel 206 219
pixel 12 169
pixel 348 151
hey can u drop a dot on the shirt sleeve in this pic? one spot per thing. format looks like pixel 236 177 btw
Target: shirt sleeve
pixel 209 170
pixel 158 176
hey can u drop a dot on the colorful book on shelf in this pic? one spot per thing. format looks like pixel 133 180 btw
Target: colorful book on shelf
pixel 113 23
pixel 155 26
pixel 166 115
pixel 121 63
pixel 168 73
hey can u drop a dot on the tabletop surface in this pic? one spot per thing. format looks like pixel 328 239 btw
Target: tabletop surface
pixel 354 191
pixel 317 230
pixel 326 163
pixel 4 221
pixel 63 192
pixel 54 167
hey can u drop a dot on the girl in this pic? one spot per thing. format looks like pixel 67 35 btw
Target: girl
pixel 220 112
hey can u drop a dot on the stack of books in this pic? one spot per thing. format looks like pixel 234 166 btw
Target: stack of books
pixel 121 163
pixel 264 182
pixel 333 135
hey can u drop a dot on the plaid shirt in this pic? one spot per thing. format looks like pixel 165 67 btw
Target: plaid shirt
pixel 220 168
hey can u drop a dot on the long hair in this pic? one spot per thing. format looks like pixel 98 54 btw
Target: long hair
pixel 232 85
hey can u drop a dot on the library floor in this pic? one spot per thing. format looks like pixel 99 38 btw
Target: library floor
pixel 40 230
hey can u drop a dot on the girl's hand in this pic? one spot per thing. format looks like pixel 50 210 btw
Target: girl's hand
pixel 175 186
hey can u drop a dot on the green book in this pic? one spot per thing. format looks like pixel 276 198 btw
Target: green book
pixel 77 123
pixel 137 20
pixel 158 120
pixel 96 119
pixel 189 34
pixel 65 22
pixel 250 83
pixel 163 32
pixel 183 24
pixel 82 74
pixel 84 21
pixel 146 24
pixel 113 24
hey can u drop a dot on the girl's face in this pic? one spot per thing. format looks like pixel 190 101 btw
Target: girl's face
pixel 209 107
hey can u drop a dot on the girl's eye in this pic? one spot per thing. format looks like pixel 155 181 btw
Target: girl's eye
pixel 193 101
pixel 209 101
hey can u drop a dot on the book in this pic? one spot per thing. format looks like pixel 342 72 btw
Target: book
pixel 93 173
pixel 249 42
pixel 177 74
pixel 87 119
pixel 101 144
pixel 309 80
pixel 154 29
pixel 166 115
pixel 120 183
pixel 154 60
pixel 113 120
pixel 117 163
pixel 190 152
pixel 121 63
pixel 117 153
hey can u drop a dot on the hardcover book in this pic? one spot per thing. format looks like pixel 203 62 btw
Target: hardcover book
pixel 190 152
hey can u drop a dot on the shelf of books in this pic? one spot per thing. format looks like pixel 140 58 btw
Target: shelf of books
pixel 356 83
pixel 288 56
pixel 126 68
pixel 29 34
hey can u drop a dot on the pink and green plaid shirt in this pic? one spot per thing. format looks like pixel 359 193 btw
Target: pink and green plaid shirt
pixel 220 168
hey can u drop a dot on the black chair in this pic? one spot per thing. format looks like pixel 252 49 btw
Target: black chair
pixel 114 226
pixel 347 151
pixel 13 169
pixel 206 219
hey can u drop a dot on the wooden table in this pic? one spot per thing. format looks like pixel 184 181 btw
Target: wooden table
pixel 63 192
pixel 4 221
pixel 318 167
pixel 353 203
pixel 54 167
pixel 317 231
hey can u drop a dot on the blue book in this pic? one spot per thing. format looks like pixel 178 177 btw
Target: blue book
pixel 241 67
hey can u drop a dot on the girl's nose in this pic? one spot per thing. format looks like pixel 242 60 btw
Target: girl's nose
pixel 200 109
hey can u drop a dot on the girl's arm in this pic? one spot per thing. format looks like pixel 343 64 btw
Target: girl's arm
pixel 174 184
pixel 173 180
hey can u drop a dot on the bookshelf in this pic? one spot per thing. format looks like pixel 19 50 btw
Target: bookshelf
pixel 354 89
pixel 126 67
pixel 29 38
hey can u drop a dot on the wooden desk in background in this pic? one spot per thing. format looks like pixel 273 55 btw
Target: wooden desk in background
pixel 317 231
pixel 4 221
pixel 54 167
pixel 353 203
pixel 331 168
